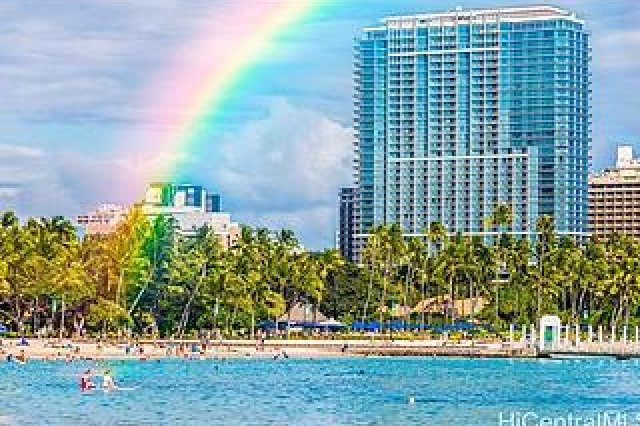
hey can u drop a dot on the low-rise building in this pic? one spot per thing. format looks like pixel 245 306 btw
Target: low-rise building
pixel 192 207
pixel 103 220
pixel 193 197
pixel 614 197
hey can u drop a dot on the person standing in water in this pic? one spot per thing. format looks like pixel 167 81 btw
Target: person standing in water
pixel 107 381
pixel 85 381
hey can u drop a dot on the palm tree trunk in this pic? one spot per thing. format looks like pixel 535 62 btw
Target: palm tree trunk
pixel 62 318
pixel 422 305
pixel 574 302
pixel 450 307
pixel 35 315
pixel 581 302
pixel 383 299
pixel 119 287
pixel 472 299
pixel 187 309
pixel 138 297
pixel 518 300
pixel 18 315
pixel 406 298
pixel 253 323
pixel 369 288
pixel 539 297
pixel 231 320
pixel 185 314
pixel 497 303
pixel 627 313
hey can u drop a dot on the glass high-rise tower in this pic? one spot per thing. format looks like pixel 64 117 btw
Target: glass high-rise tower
pixel 458 112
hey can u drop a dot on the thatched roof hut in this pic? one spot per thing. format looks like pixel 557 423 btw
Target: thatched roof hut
pixel 302 313
pixel 443 304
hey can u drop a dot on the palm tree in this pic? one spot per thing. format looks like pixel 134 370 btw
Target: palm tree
pixel 196 262
pixel 544 244
pixel 9 220
pixel 437 236
pixel 500 217
pixel 156 249
pixel 371 255
pixel 411 262
pixel 331 263
pixel 474 270
pixel 423 267
pixel 452 267
pixel 436 233
pixel 393 250
pixel 519 272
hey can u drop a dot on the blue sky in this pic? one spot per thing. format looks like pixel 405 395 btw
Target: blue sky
pixel 72 74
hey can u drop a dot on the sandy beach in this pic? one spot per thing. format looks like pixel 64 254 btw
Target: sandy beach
pixel 66 350
pixel 69 350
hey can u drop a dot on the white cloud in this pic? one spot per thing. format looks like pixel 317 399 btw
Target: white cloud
pixel 283 171
pixel 314 227
pixel 8 192
pixel 10 151
pixel 295 156
pixel 84 59
pixel 29 182
pixel 617 50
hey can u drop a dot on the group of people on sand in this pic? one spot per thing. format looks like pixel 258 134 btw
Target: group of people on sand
pixel 87 384
pixel 21 358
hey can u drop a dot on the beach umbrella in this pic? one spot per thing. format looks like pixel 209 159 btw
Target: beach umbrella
pixel 358 325
pixel 266 325
pixel 331 324
pixel 373 326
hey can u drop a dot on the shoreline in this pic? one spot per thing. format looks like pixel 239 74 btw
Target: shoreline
pixel 69 350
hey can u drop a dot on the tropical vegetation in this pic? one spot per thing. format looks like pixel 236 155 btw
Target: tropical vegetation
pixel 146 278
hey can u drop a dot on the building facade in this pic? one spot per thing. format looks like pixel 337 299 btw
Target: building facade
pixel 103 220
pixel 194 197
pixel 346 222
pixel 457 112
pixel 192 207
pixel 614 197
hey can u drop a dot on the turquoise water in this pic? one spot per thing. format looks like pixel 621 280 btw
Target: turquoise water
pixel 337 391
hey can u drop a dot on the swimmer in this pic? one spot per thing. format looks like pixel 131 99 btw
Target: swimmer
pixel 107 381
pixel 85 381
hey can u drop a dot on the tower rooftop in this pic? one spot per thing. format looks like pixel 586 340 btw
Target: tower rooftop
pixel 459 15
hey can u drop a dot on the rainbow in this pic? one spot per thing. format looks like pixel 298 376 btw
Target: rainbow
pixel 179 109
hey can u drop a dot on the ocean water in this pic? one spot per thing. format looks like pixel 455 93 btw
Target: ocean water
pixel 337 391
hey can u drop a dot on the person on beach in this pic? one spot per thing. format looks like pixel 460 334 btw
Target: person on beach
pixel 85 381
pixel 107 381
